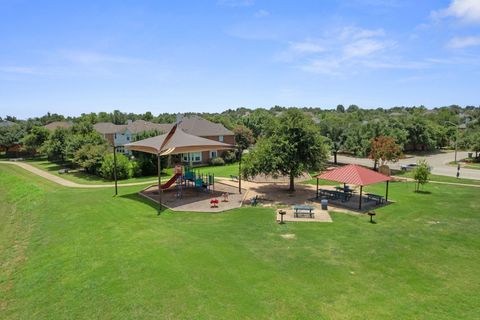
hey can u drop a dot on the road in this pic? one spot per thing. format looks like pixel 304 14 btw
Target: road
pixel 439 162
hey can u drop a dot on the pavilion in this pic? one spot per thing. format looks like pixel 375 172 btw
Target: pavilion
pixel 174 142
pixel 355 175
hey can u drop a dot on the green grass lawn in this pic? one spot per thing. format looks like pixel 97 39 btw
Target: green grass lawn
pixel 83 254
pixel 409 174
pixel 85 178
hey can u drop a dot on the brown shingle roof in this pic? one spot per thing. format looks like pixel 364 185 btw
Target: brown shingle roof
pixel 200 127
pixel 108 127
pixel 58 124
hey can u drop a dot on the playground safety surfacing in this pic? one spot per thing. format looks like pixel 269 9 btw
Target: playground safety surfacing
pixel 196 200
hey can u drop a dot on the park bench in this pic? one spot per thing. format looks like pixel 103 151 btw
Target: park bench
pixel 303 210
pixel 62 171
pixel 378 199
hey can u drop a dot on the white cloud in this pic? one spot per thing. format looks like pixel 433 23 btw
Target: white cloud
pixel 340 51
pixel 465 10
pixel 261 13
pixel 92 58
pixel 19 70
pixel 363 47
pixel 236 3
pixel 464 42
pixel 306 47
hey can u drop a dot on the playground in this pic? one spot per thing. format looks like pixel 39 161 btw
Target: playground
pixel 195 191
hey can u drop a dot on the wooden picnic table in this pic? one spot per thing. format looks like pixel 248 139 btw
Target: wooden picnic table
pixel 304 210
pixel 378 198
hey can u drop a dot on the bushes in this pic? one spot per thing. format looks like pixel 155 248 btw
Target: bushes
pixel 229 156
pixel 217 161
pixel 125 168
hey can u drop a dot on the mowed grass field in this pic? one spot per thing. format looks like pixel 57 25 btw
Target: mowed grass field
pixel 83 254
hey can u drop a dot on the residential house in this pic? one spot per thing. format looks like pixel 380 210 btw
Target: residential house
pixel 58 124
pixel 119 135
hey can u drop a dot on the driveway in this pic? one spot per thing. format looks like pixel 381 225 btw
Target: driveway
pixel 439 162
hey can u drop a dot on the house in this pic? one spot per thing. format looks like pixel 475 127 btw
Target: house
pixel 119 135
pixel 58 124
pixel 7 123
pixel 206 129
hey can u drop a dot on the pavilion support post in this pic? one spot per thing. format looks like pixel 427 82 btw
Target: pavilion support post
pixel 115 169
pixel 360 201
pixel 159 166
pixel 240 174
pixel 386 193
pixel 317 188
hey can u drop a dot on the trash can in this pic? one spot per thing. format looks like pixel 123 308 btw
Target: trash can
pixel 324 204
pixel 470 155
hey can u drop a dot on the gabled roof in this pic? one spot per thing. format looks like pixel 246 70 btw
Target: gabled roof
pixel 7 123
pixel 354 174
pixel 58 124
pixel 142 125
pixel 203 128
pixel 108 127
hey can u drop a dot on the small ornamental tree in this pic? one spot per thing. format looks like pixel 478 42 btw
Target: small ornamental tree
pixel 123 167
pixel 243 137
pixel 90 157
pixel 421 174
pixel 384 149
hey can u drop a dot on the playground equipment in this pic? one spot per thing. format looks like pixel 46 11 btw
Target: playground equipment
pixel 201 181
pixel 187 177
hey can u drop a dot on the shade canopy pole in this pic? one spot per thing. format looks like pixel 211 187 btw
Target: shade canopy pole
pixel 317 188
pixel 159 166
pixel 360 201
pixel 386 193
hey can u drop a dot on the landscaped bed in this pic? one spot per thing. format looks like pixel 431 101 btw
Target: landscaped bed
pixel 80 253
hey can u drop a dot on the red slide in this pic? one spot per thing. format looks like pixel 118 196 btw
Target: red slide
pixel 167 184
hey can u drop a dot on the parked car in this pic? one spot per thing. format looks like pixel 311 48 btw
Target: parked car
pixel 411 166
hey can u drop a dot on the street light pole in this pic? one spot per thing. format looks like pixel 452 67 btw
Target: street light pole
pixel 115 168
pixel 456 138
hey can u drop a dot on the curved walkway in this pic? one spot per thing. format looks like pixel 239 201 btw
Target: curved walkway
pixel 68 183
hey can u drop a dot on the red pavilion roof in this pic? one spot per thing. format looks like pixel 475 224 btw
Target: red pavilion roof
pixel 354 174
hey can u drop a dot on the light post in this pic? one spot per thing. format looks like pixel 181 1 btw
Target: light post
pixel 115 168
pixel 242 152
pixel 456 138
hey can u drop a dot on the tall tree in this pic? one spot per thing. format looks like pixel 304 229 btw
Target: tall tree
pixel 294 146
pixel 10 136
pixel 33 141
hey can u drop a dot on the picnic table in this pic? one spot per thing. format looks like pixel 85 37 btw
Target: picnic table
pixel 303 210
pixel 334 195
pixel 379 199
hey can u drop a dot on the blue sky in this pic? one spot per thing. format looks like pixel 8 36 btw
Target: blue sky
pixel 209 55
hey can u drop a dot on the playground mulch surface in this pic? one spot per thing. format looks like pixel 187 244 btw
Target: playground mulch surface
pixel 195 200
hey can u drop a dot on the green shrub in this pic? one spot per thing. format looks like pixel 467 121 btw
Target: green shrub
pixel 135 169
pixel 123 167
pixel 229 156
pixel 217 161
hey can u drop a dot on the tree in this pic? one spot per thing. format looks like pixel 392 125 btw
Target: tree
pixel 340 108
pixel 421 174
pixel 384 149
pixel 243 137
pixel 123 167
pixel 333 127
pixel 33 141
pixel 56 144
pixel 261 122
pixel 294 146
pixel 90 157
pixel 10 136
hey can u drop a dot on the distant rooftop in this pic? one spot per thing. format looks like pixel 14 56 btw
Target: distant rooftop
pixel 58 124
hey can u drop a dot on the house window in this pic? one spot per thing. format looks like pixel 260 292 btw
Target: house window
pixel 195 156
pixel 128 138
pixel 213 154
pixel 120 150
pixel 220 138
